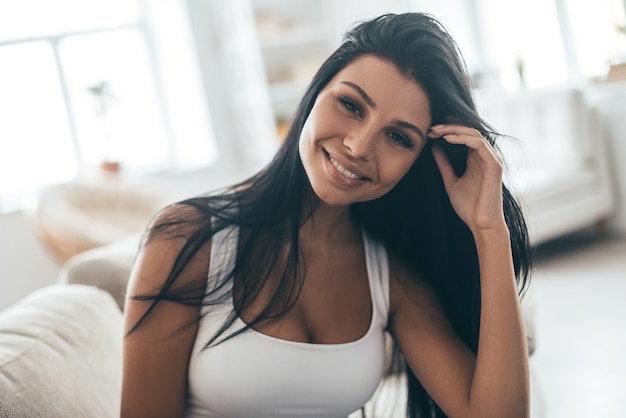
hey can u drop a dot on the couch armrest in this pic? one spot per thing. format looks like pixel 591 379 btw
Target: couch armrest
pixel 107 267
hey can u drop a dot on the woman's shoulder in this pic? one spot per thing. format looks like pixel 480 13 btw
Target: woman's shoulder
pixel 177 220
pixel 180 210
pixel 175 234
pixel 187 216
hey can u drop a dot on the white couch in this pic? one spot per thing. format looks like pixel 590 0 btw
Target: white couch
pixel 557 158
pixel 61 354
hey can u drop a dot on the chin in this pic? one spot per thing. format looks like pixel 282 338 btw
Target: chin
pixel 335 198
pixel 338 198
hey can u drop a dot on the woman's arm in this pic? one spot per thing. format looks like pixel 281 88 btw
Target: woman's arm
pixel 156 353
pixel 476 196
pixel 502 360
pixel 495 382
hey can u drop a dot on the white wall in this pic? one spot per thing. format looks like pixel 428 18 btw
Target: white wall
pixel 25 265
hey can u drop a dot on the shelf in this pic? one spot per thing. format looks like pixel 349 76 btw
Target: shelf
pixel 294 39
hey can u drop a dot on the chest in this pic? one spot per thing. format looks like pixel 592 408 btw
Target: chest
pixel 331 303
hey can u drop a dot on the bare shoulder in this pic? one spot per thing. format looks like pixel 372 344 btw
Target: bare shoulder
pixel 176 221
pixel 168 239
pixel 172 265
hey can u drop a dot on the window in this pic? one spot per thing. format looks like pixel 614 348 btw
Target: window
pixel 524 43
pixel 35 134
pixel 538 43
pixel 599 35
pixel 86 82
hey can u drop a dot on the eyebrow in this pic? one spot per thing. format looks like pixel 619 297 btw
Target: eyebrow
pixel 411 127
pixel 371 104
pixel 361 92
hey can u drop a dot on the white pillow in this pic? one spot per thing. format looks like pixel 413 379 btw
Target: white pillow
pixel 61 354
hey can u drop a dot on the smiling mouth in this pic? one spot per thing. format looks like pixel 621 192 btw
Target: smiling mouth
pixel 344 171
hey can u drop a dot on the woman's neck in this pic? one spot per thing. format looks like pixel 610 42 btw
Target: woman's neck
pixel 330 225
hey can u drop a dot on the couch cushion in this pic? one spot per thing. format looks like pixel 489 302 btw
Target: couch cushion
pixel 61 354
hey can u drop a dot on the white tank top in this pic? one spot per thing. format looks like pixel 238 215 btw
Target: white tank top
pixel 256 375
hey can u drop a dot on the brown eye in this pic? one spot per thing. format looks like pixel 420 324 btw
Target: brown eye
pixel 400 138
pixel 350 105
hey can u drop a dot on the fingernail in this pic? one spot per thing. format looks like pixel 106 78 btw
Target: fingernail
pixel 449 135
pixel 437 126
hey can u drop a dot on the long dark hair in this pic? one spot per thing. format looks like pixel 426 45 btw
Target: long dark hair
pixel 415 220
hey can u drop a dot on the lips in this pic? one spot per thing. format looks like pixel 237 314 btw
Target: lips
pixel 350 176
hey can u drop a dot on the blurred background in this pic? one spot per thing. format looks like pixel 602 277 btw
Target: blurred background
pixel 111 109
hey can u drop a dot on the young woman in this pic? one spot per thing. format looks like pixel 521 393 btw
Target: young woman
pixel 383 211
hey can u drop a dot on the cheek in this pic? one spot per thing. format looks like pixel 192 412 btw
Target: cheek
pixel 395 172
pixel 307 149
pixel 306 139
pixel 308 133
pixel 397 168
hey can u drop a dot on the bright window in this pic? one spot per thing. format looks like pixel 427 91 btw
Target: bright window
pixel 114 99
pixel 599 34
pixel 36 146
pixel 524 42
pixel 82 82
pixel 540 43
pixel 25 19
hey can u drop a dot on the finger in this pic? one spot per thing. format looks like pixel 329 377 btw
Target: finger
pixel 451 128
pixel 445 168
pixel 473 142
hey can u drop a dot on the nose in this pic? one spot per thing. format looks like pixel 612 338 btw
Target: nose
pixel 361 143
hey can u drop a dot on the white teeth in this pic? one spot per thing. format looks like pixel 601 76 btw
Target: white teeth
pixel 343 170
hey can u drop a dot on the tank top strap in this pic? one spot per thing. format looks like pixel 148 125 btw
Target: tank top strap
pixel 378 272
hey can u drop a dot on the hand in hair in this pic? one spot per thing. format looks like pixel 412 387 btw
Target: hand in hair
pixel 476 196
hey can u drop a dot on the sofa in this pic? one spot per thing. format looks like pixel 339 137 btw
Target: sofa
pixel 61 346
pixel 61 354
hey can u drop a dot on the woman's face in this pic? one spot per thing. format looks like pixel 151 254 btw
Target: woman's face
pixel 365 130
